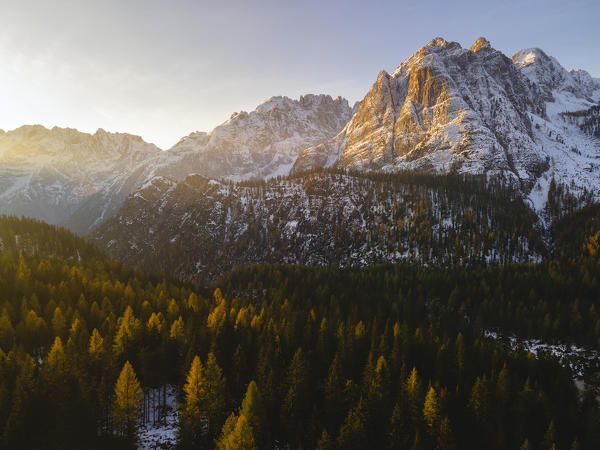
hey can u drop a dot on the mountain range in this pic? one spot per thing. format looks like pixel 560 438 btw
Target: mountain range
pixel 77 180
pixel 451 109
pixel 446 109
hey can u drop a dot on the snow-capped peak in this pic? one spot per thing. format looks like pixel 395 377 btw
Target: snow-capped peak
pixel 480 44
pixel 64 176
pixel 262 143
pixel 550 75
pixel 446 108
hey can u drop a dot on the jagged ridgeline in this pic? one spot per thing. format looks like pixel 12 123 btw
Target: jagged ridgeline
pixel 200 228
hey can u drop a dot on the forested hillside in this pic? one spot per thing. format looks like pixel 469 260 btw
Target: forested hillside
pixel 66 330
pixel 198 229
pixel 271 355
pixel 577 235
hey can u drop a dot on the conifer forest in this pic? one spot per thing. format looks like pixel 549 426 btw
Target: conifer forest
pixel 288 356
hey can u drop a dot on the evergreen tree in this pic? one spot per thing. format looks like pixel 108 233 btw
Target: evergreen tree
pixel 503 385
pixel 216 400
pixel 246 430
pixel 378 402
pixel 241 437
pixel 127 333
pixel 353 433
pixel 325 442
pixel 296 404
pixel 177 332
pixel 127 402
pixel 550 435
pixel 17 431
pixel 7 332
pixel 400 432
pixel 96 345
pixel 56 361
pixel 59 323
pixel 479 398
pixel 431 410
pixel 525 445
pixel 334 393
pixel 191 416
pixel 412 388
pixel 254 410
pixel 445 436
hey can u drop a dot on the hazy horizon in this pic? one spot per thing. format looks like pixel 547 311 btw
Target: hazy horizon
pixel 162 70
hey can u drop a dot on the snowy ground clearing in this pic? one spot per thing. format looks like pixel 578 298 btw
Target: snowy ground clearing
pixel 161 435
pixel 581 361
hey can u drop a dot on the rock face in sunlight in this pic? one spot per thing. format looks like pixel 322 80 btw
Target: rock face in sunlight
pixel 262 143
pixel 66 177
pixel 447 108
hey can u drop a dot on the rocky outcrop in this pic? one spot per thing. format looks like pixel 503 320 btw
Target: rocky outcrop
pixel 78 180
pixel 262 143
pixel 445 108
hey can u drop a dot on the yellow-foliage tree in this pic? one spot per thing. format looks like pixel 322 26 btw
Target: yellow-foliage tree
pixel 205 407
pixel 245 431
pixel 128 398
pixel 129 329
pixel 431 409
pixel 96 345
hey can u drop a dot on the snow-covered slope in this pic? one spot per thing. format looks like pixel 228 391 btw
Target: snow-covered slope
pixel 568 132
pixel 447 108
pixel 200 228
pixel 546 72
pixel 261 144
pixel 66 177
pixel 444 109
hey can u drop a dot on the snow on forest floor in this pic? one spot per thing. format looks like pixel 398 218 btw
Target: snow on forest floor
pixel 578 359
pixel 161 435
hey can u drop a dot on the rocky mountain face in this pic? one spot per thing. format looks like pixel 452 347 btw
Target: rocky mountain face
pixel 262 143
pixel 198 228
pixel 77 180
pixel 66 177
pixel 547 73
pixel 445 109
pixel 451 109
pixel 568 132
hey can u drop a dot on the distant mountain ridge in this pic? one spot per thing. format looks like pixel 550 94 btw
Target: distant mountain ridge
pixel 445 109
pixel 66 177
pixel 262 143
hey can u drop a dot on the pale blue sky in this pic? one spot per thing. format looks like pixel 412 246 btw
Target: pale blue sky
pixel 162 69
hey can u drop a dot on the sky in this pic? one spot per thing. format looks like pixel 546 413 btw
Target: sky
pixel 162 69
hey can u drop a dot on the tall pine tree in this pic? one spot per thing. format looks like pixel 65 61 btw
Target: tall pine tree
pixel 127 402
